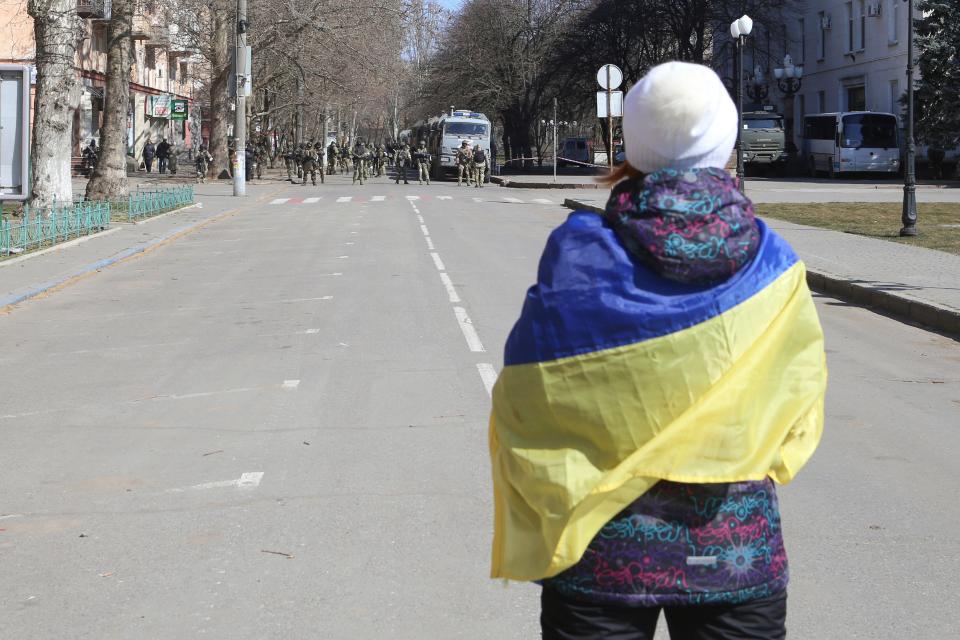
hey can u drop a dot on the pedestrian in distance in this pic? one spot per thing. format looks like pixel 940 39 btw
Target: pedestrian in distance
pixel 667 368
pixel 149 152
pixel 173 161
pixel 333 153
pixel 289 160
pixel 464 157
pixel 321 161
pixel 90 157
pixel 308 163
pixel 403 160
pixel 203 160
pixel 481 165
pixel 163 155
pixel 421 158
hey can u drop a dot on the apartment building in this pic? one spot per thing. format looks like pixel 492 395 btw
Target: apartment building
pixel 161 73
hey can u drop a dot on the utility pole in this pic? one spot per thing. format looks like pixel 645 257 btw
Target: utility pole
pixel 554 139
pixel 240 126
pixel 909 216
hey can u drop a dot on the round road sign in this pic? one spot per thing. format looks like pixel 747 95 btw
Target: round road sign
pixel 610 77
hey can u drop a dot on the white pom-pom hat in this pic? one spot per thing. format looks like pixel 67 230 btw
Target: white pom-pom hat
pixel 679 116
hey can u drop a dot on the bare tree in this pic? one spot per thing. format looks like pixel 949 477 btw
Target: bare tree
pixel 55 26
pixel 109 180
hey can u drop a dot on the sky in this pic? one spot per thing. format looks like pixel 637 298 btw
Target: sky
pixel 451 4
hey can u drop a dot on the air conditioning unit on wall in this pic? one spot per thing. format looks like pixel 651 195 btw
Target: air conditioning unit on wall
pixel 826 23
pixel 875 10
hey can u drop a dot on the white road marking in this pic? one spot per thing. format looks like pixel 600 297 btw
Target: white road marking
pixel 438 262
pixel 543 201
pixel 310 332
pixel 11 515
pixel 248 480
pixel 378 198
pixel 342 257
pixel 469 333
pixel 429 243
pixel 444 197
pixel 478 200
pixel 489 376
pixel 290 384
pixel 514 200
pixel 423 228
pixel 420 219
pixel 280 201
pixel 448 284
pixel 354 233
pixel 344 199
pixel 413 197
pixel 349 244
pixel 311 200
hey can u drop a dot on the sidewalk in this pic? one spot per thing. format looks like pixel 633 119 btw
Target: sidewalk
pixel 545 181
pixel 32 274
pixel 909 283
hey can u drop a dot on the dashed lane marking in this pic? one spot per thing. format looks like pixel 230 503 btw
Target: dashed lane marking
pixel 438 262
pixel 489 376
pixel 448 285
pixel 429 243
pixel 469 332
pixel 424 229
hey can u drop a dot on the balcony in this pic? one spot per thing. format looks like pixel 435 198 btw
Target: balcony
pixel 159 37
pixel 141 28
pixel 93 9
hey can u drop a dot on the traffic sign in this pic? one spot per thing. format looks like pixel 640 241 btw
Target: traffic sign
pixel 616 104
pixel 610 77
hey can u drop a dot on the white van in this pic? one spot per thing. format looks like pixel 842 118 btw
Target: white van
pixel 444 135
pixel 851 142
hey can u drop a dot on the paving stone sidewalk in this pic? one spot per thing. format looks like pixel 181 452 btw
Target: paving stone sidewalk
pixel 910 283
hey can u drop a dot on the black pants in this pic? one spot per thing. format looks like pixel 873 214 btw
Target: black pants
pixel 148 163
pixel 163 165
pixel 563 618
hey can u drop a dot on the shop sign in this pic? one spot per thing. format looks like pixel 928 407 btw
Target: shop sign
pixel 159 106
pixel 179 110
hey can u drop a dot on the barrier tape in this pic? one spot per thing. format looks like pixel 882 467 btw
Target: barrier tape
pixel 577 162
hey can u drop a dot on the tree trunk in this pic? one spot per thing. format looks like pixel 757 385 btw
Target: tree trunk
pixel 219 100
pixel 55 25
pixel 109 180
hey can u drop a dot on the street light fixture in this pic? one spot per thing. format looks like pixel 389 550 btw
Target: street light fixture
pixel 757 90
pixel 909 217
pixel 789 81
pixel 740 29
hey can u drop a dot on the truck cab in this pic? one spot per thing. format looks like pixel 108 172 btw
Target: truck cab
pixel 764 140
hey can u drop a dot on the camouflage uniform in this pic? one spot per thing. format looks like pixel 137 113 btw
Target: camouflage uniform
pixel 308 162
pixel 422 159
pixel 203 163
pixel 289 160
pixel 481 165
pixel 333 152
pixel 321 161
pixel 261 154
pixel 464 158
pixel 361 157
pixel 402 160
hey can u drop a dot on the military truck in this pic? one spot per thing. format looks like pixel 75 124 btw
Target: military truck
pixel 764 141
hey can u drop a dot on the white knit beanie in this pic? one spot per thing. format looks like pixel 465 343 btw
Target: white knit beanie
pixel 679 116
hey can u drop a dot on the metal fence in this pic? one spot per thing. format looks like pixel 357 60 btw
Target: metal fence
pixel 37 230
pixel 146 203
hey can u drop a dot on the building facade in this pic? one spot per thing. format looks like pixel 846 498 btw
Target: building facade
pixel 161 73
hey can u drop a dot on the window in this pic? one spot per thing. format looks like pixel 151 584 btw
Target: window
pixel 821 101
pixel 803 40
pixel 871 130
pixel 857 98
pixel 862 35
pixel 172 69
pixel 465 129
pixel 763 123
pixel 893 22
pixel 822 36
pixel 895 106
pixel 849 27
pixel 820 128
pixel 150 58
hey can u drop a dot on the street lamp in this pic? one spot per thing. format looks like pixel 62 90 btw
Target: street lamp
pixel 740 29
pixel 909 217
pixel 555 123
pixel 789 81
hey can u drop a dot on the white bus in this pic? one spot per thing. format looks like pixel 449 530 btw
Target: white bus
pixel 445 134
pixel 851 142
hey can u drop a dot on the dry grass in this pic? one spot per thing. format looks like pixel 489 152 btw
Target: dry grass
pixel 939 224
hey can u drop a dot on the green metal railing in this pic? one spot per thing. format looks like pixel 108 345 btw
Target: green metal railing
pixel 37 230
pixel 147 203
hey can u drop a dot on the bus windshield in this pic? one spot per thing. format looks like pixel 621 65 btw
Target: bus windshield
pixel 869 130
pixel 465 129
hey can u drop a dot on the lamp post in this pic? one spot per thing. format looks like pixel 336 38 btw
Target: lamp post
pixel 789 81
pixel 555 123
pixel 740 29
pixel 909 217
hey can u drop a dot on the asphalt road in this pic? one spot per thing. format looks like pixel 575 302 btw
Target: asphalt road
pixel 275 427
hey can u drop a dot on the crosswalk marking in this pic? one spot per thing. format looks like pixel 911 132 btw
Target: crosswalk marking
pixel 344 198
pixel 514 200
pixel 280 201
pixel 311 200
pixel 378 198
pixel 413 197
pixel 478 199
pixel 542 201
pixel 444 197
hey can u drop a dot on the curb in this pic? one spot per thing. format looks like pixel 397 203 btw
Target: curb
pixel 165 214
pixel 143 247
pixel 510 184
pixel 57 247
pixel 925 314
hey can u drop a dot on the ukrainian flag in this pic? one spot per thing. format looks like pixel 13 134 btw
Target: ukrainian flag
pixel 615 378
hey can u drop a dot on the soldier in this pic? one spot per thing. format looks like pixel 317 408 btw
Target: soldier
pixel 333 152
pixel 379 161
pixel 481 165
pixel 464 157
pixel 308 161
pixel 203 161
pixel 421 158
pixel 321 161
pixel 402 159
pixel 262 156
pixel 360 159
pixel 344 157
pixel 289 160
